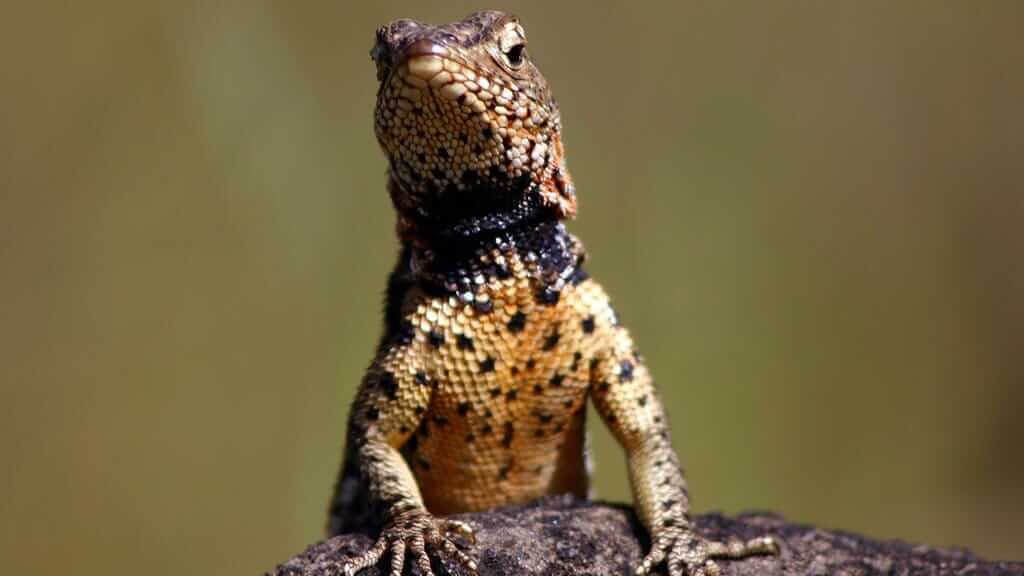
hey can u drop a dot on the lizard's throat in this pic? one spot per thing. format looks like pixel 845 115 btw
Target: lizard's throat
pixel 469 214
pixel 538 249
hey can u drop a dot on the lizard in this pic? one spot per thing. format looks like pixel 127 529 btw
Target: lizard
pixel 495 337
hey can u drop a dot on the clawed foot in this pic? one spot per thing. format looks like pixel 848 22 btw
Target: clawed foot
pixel 689 554
pixel 411 531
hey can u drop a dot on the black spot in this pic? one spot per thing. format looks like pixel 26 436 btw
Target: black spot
pixel 442 152
pixel 403 429
pixel 567 402
pixel 423 463
pixel 517 322
pixel 495 392
pixel 464 138
pixel 502 273
pixel 548 296
pixel 372 413
pixel 510 432
pixel 464 408
pixel 422 157
pixel 530 364
pixel 625 371
pixel 483 306
pixel 611 419
pixel 559 427
pixel 657 419
pixel 668 504
pixel 464 342
pixel 487 133
pixel 576 357
pixel 487 365
pixel 486 430
pixel 421 379
pixel 538 433
pixel 435 338
pixel 503 473
pixel 544 417
pixel 538 389
pixel 406 332
pixel 603 386
pixel 551 341
pixel 488 413
pixel 470 438
pixel 419 410
pixel 438 174
pixel 557 380
pixel 642 400
pixel 478 149
pixel 512 394
pixel 388 385
pixel 441 421
pixel 669 523
pixel 588 325
pixel 514 370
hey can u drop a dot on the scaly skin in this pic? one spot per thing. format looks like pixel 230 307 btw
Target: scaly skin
pixel 494 335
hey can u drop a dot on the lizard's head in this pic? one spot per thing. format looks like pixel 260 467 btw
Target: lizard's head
pixel 469 126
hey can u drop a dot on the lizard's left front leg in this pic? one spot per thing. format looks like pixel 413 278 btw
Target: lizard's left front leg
pixel 625 397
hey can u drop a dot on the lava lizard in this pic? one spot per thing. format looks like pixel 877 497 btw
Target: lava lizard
pixel 494 335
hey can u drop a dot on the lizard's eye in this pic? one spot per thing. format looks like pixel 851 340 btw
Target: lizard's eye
pixel 515 55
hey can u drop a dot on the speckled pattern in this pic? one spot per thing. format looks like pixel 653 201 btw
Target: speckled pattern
pixel 495 337
pixel 562 536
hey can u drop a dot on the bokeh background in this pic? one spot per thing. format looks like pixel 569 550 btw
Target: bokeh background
pixel 809 214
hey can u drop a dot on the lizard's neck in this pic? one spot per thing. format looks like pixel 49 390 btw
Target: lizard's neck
pixel 462 240
pixel 541 251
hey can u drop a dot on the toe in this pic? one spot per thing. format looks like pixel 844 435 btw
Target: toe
pixel 419 548
pixel 397 558
pixel 452 551
pixel 655 557
pixel 461 528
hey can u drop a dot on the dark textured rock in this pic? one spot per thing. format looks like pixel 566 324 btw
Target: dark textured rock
pixel 560 536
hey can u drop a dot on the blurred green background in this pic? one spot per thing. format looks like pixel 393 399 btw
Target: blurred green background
pixel 809 214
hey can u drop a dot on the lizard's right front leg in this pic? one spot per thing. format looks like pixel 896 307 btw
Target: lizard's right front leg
pixel 387 409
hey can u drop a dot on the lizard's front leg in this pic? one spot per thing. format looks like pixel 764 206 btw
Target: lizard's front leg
pixel 625 397
pixel 386 410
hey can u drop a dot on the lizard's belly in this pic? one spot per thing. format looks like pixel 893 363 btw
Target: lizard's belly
pixel 505 422
pixel 461 471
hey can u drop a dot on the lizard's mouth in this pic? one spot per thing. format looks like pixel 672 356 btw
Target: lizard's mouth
pixel 462 144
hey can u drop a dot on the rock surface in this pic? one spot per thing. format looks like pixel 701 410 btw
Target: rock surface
pixel 560 536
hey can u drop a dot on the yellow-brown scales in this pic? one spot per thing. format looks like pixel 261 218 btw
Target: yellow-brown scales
pixel 494 336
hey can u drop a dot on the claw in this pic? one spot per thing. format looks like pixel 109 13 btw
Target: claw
pixel 410 533
pixel 690 555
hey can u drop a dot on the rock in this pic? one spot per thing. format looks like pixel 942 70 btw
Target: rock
pixel 562 536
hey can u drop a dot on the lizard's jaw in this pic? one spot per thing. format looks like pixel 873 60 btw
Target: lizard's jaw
pixel 464 141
